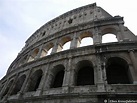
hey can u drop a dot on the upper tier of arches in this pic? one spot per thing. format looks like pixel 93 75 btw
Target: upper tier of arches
pixel 105 34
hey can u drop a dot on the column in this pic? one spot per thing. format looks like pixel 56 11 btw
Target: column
pixel 57 47
pixel 69 74
pixel 65 84
pixel 134 60
pixel 75 42
pixel 48 80
pixel 39 53
pixel 100 81
pixel 68 80
pixel 23 88
pixel 97 38
pixel 43 81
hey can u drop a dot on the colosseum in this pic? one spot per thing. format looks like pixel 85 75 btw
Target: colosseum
pixel 45 72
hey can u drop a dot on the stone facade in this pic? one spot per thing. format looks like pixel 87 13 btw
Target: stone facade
pixel 96 73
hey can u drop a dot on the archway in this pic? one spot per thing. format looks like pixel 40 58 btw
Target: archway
pixel 117 71
pixel 58 73
pixel 35 80
pixel 33 55
pixel 18 85
pixel 107 38
pixel 86 41
pixel 47 49
pixel 66 46
pixel 85 73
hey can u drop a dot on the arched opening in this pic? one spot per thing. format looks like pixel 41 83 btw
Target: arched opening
pixel 47 49
pixel 117 71
pixel 58 76
pixel 85 73
pixel 35 80
pixel 33 55
pixel 107 38
pixel 7 88
pixel 86 41
pixel 18 85
pixel 109 35
pixel 66 46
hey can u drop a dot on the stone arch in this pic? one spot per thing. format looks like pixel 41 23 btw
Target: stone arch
pixel 107 30
pixel 47 49
pixel 34 54
pixel 7 88
pixel 84 73
pixel 58 76
pixel 19 84
pixel 62 43
pixel 23 60
pixel 86 38
pixel 109 34
pixel 35 80
pixel 117 71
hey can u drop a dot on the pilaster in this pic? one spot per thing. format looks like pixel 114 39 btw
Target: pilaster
pixel 100 81
pixel 48 81
pixel 75 42
pixel 57 47
pixel 43 82
pixel 40 51
pixel 97 38
pixel 133 59
pixel 23 88
pixel 69 74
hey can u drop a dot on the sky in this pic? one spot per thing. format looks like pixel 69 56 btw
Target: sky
pixel 19 19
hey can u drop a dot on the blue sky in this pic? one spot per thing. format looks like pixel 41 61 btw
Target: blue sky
pixel 21 18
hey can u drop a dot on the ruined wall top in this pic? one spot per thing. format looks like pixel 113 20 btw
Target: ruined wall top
pixel 75 17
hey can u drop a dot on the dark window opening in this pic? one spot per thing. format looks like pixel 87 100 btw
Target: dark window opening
pixel 35 80
pixel 85 75
pixel 43 34
pixel 37 83
pixel 18 85
pixel 70 21
pixel 58 81
pixel 117 71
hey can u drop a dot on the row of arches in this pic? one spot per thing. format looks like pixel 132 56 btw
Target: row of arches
pixel 117 72
pixel 66 42
pixel 72 41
